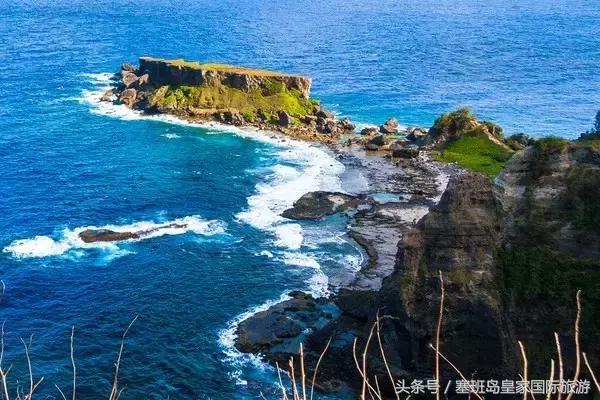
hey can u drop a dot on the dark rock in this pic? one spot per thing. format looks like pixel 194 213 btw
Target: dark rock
pixel 284 119
pixel 128 97
pixel 326 126
pixel 281 328
pixel 142 81
pixel 315 205
pixel 105 235
pixel 128 79
pixel 128 67
pixel 345 125
pixel 324 114
pixel 401 149
pixel 390 126
pixel 232 118
pixel 415 134
pixel 375 142
pixel 369 131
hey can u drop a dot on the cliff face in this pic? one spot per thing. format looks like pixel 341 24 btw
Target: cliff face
pixel 458 237
pixel 180 72
pixel 513 253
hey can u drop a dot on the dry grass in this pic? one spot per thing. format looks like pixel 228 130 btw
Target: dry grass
pixel 371 390
pixel 297 388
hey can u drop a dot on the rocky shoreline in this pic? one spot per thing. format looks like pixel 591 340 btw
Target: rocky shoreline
pixel 492 218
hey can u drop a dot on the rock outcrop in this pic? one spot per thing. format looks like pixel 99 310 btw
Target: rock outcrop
pixel 315 205
pixel 185 73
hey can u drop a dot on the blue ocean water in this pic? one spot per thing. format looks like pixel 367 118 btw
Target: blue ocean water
pixel 67 163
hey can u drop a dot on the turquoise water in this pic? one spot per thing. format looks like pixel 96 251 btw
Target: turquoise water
pixel 67 163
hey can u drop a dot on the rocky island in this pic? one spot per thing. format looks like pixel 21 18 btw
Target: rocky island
pixel 514 232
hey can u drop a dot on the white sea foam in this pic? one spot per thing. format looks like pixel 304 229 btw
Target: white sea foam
pixel 307 168
pixel 171 136
pixel 228 336
pixel 69 243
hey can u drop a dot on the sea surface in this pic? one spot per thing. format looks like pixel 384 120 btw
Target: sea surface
pixel 68 163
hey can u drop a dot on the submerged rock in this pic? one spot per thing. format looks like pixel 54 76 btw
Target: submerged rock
pixel 315 205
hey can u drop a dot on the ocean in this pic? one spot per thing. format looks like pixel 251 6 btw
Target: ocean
pixel 68 163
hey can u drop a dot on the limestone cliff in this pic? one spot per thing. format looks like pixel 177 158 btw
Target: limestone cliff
pixel 186 73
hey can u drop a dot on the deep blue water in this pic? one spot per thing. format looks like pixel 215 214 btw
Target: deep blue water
pixel 65 164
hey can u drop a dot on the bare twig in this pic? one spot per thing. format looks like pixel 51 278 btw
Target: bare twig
pixel 589 367
pixel 437 336
pixel 314 377
pixel 360 371
pixel 284 395
pixel 73 362
pixel 549 394
pixel 561 375
pixel 302 374
pixel 293 379
pixel 458 372
pixel 577 351
pixel 525 371
pixel 114 393
pixel 387 367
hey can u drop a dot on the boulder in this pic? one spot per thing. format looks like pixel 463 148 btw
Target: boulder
pixel 414 134
pixel 128 97
pixel 285 119
pixel 324 114
pixel 390 126
pixel 369 131
pixel 327 126
pixel 232 118
pixel 129 78
pixel 142 81
pixel 401 149
pixel 375 142
pixel 128 67
pixel 345 125
pixel 315 205
pixel 107 96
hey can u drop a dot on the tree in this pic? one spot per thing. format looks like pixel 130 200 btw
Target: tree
pixel 596 128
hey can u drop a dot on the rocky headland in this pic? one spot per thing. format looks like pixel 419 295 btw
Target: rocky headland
pixel 513 248
pixel 511 223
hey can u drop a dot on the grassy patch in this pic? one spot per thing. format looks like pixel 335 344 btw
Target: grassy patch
pixel 220 98
pixel 477 153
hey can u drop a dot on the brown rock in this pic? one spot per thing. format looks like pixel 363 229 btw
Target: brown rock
pixel 390 126
pixel 129 79
pixel 128 97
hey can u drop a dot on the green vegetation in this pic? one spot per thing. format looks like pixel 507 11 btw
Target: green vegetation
pixel 545 148
pixel 582 198
pixel 476 152
pixel 539 280
pixel 454 122
pixel 264 102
